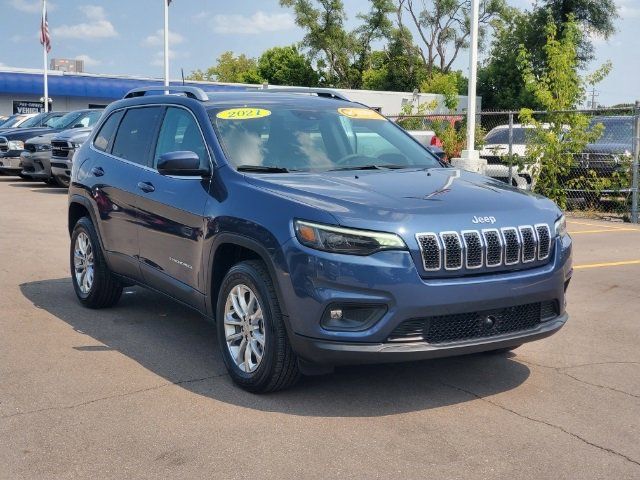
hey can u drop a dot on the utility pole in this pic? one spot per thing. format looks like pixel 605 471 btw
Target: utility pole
pixel 594 94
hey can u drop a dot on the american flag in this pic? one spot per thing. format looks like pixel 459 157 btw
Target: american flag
pixel 45 38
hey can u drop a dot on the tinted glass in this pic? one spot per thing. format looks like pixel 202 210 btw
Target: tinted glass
pixel 33 121
pixel 12 120
pixel 180 132
pixel 330 136
pixel 104 138
pixel 134 139
pixel 615 130
pixel 501 136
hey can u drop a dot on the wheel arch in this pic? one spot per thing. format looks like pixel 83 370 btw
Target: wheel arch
pixel 227 250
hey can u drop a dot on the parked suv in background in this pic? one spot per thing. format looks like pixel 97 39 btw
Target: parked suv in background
pixel 63 148
pixel 314 231
pixel 35 158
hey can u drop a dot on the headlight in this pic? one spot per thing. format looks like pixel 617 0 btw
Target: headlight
pixel 43 147
pixel 15 145
pixel 76 145
pixel 561 227
pixel 345 240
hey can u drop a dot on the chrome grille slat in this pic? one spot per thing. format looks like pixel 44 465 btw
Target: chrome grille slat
pixel 493 245
pixel 511 245
pixel 473 248
pixel 544 241
pixel 528 236
pixel 452 250
pixel 430 251
pixel 490 247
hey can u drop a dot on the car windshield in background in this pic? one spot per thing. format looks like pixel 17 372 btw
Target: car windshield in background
pixel 77 119
pixel 11 121
pixel 501 136
pixel 615 130
pixel 33 121
pixel 280 138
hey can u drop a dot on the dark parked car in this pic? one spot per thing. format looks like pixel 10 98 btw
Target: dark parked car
pixel 12 142
pixel 314 231
pixel 63 148
pixel 40 120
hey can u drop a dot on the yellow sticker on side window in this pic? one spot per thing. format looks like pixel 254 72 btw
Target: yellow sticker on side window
pixel 360 113
pixel 243 113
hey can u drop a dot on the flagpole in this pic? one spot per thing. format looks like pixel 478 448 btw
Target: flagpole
pixel 44 57
pixel 166 42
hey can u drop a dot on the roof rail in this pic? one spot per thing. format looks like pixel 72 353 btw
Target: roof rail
pixel 192 92
pixel 321 92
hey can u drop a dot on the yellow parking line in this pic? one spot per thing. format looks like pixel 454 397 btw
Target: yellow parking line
pixel 610 230
pixel 607 264
pixel 611 227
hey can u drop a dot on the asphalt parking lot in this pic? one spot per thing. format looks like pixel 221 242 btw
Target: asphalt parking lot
pixel 140 391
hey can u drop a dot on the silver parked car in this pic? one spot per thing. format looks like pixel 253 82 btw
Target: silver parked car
pixel 63 147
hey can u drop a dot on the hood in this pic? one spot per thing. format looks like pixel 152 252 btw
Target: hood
pixel 618 148
pixel 40 139
pixel 26 133
pixel 76 135
pixel 413 200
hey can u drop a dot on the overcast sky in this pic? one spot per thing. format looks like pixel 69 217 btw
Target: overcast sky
pixel 125 36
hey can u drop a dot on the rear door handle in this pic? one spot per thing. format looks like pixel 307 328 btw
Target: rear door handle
pixel 97 171
pixel 146 187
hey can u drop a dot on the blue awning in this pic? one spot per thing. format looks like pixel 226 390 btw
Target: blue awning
pixel 69 85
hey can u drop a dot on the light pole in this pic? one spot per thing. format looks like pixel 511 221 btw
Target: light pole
pixel 166 43
pixel 470 158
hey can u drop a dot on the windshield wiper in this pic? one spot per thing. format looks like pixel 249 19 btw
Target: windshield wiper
pixel 370 167
pixel 262 169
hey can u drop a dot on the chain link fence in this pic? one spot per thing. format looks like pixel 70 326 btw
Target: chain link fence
pixel 590 168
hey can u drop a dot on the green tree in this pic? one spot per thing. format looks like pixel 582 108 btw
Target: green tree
pixel 230 69
pixel 287 66
pixel 340 56
pixel 443 27
pixel 447 84
pixel 558 137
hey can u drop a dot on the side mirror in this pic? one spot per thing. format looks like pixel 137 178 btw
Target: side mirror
pixel 78 125
pixel 181 163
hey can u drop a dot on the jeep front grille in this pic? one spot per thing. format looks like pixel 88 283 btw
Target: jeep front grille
pixel 491 247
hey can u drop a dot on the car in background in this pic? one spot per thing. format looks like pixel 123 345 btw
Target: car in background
pixel 430 141
pixel 12 143
pixel 3 118
pixel 16 120
pixel 43 119
pixel 63 148
pixel 496 152
pixel 610 151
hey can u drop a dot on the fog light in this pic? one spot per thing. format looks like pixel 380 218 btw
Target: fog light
pixel 352 317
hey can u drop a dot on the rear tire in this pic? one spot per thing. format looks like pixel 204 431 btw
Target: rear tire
pixel 93 282
pixel 248 315
pixel 61 182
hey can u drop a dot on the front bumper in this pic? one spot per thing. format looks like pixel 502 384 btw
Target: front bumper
pixel 36 165
pixel 314 280
pixel 342 353
pixel 61 167
pixel 10 164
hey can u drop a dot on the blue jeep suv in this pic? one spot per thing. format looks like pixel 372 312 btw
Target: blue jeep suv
pixel 313 230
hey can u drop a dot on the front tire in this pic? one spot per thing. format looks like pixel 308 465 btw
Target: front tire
pixel 93 282
pixel 251 332
pixel 61 181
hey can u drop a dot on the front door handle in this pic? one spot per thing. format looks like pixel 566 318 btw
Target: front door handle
pixel 146 187
pixel 97 171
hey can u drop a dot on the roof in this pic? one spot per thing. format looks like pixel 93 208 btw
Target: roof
pixel 111 87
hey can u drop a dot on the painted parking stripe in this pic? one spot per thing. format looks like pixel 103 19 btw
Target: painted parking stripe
pixel 607 264
pixel 610 227
pixel 610 230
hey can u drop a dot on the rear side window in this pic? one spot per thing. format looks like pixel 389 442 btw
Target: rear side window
pixel 135 135
pixel 104 138
pixel 180 132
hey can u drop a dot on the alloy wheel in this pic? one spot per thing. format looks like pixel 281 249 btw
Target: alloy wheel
pixel 83 262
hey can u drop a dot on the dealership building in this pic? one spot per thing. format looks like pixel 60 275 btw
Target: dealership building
pixel 22 90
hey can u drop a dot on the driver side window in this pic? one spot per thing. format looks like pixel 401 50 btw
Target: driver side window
pixel 180 132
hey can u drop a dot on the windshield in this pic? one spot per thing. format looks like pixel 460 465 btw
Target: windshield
pixel 33 121
pixel 85 118
pixel 501 136
pixel 615 130
pixel 294 138
pixel 12 120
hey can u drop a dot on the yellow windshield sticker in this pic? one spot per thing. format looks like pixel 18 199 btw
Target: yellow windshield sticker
pixel 360 113
pixel 243 113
